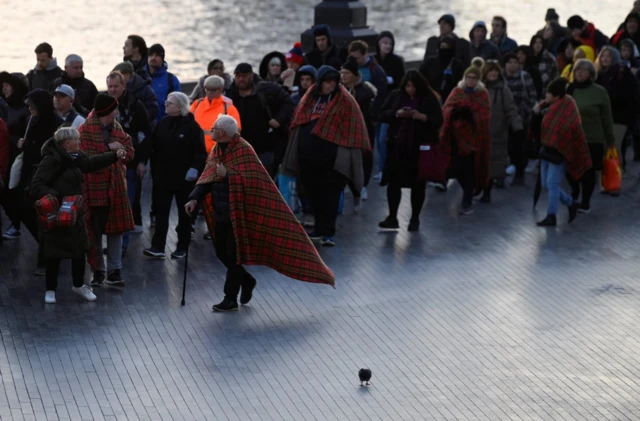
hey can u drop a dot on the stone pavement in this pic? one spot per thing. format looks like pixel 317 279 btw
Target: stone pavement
pixel 484 317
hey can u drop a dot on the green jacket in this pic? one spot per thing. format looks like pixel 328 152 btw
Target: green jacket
pixel 595 111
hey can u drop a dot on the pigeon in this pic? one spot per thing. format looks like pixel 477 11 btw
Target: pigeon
pixel 365 376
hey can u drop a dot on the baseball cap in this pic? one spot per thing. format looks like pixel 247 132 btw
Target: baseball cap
pixel 66 90
pixel 243 68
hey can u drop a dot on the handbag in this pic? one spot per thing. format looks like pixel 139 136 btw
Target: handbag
pixel 611 173
pixel 551 154
pixel 432 163
pixel 16 171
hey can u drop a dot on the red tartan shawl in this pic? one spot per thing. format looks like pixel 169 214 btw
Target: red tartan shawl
pixel 341 123
pixel 106 187
pixel 469 135
pixel 562 130
pixel 266 231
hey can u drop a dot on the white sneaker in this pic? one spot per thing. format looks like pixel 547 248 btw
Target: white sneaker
pixel 85 292
pixel 50 297
pixel 364 195
pixel 511 170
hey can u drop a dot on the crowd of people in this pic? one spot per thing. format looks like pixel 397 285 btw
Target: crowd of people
pixel 481 111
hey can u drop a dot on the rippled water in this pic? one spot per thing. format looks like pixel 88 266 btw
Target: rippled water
pixel 197 31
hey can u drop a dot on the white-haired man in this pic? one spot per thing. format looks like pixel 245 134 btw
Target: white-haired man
pixel 85 90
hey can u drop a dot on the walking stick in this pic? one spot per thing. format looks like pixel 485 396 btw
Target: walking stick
pixel 184 282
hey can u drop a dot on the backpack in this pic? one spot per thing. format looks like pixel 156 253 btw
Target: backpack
pixel 170 82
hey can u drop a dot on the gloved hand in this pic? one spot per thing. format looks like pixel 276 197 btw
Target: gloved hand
pixel 192 175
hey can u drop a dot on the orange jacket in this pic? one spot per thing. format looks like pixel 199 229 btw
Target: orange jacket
pixel 206 113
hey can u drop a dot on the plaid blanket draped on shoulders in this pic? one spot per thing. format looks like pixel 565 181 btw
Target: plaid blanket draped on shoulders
pixel 341 123
pixel 106 187
pixel 266 231
pixel 562 130
pixel 467 118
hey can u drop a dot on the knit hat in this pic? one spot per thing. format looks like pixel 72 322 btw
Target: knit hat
pixel 575 22
pixel 157 49
pixel 551 15
pixel 558 87
pixel 352 65
pixel 448 18
pixel 477 62
pixel 475 70
pixel 104 105
pixel 296 54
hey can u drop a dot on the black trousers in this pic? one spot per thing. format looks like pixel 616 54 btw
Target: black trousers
pixel 588 185
pixel 519 151
pixel 53 270
pixel 226 251
pixel 29 219
pixel 465 171
pixel 163 198
pixel 10 201
pixel 323 188
pixel 418 195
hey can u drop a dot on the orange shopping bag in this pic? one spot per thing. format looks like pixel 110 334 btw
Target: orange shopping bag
pixel 611 172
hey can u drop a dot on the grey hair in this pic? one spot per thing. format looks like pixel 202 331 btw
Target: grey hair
pixel 183 102
pixel 214 82
pixel 72 58
pixel 228 124
pixel 65 133
pixel 584 64
pixel 275 60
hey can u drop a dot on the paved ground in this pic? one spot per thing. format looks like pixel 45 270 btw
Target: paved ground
pixel 485 317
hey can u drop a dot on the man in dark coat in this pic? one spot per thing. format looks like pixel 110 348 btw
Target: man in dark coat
pixel 46 70
pixel 480 46
pixel 140 87
pixel 85 90
pixel 324 50
pixel 443 71
pixel 447 25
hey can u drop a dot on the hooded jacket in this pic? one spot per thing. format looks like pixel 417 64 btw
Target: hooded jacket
pixel 622 88
pixel 304 70
pixel 85 90
pixel 264 66
pixel 463 48
pixel 593 37
pixel 392 64
pixel 333 56
pixel 43 79
pixel 163 83
pixel 443 73
pixel 624 34
pixel 486 49
pixel 18 114
pixel 142 89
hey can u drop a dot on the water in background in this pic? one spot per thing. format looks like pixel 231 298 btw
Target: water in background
pixel 196 31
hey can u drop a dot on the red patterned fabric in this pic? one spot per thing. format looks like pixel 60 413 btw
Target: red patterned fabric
pixel 106 187
pixel 341 123
pixel 266 231
pixel 68 213
pixel 562 130
pixel 470 134
pixel 47 208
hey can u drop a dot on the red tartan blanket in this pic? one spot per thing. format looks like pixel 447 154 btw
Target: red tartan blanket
pixel 469 134
pixel 341 123
pixel 266 231
pixel 68 213
pixel 106 187
pixel 562 130
pixel 47 208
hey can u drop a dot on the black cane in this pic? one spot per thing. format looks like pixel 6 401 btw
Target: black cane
pixel 184 282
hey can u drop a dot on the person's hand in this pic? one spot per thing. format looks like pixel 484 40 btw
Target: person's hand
pixel 142 170
pixel 274 123
pixel 402 113
pixel 538 107
pixel 190 207
pixel 221 170
pixel 20 143
pixel 121 154
pixel 115 146
pixel 418 115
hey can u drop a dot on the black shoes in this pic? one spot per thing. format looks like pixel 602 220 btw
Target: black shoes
pixel 390 223
pixel 114 279
pixel 154 252
pixel 414 225
pixel 226 305
pixel 573 211
pixel 98 278
pixel 549 221
pixel 179 254
pixel 486 196
pixel 247 290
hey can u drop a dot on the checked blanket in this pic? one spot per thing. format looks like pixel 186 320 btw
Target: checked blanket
pixel 266 231
pixel 562 130
pixel 106 187
pixel 467 118
pixel 341 123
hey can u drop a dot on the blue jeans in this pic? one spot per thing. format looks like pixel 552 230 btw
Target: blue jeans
pixel 381 144
pixel 551 177
pixel 133 182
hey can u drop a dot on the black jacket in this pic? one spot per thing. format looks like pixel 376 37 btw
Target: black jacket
pixel 392 64
pixel 142 89
pixel 268 100
pixel 364 93
pixel 622 88
pixel 463 49
pixel 18 111
pixel 334 56
pixel 86 92
pixel 133 117
pixel 442 77
pixel 60 175
pixel 177 145
pixel 43 79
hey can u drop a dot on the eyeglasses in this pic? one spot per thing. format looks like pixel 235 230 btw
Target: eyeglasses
pixel 167 103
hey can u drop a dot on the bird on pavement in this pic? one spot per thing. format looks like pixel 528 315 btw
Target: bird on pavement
pixel 365 376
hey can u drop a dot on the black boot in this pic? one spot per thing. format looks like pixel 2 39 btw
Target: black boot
pixel 247 290
pixel 573 211
pixel 226 305
pixel 414 225
pixel 549 221
pixel 390 223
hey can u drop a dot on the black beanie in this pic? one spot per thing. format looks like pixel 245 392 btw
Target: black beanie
pixel 352 65
pixel 157 49
pixel 104 105
pixel 558 87
pixel 575 22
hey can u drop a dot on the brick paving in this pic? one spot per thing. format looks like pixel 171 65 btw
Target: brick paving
pixel 484 317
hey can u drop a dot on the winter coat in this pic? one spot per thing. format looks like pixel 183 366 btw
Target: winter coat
pixel 333 56
pixel 547 66
pixel 443 79
pixel 486 49
pixel 177 146
pixel 463 49
pixel 207 112
pixel 378 78
pixel 133 117
pixel 85 90
pixel 622 88
pixel 60 175
pixel 5 146
pixel 595 111
pixel 524 93
pixel 18 112
pixel 264 66
pixel 142 89
pixel 505 44
pixel 504 115
pixel 593 37
pixel 365 93
pixel 163 83
pixel 392 64
pixel 43 79
pixel 198 90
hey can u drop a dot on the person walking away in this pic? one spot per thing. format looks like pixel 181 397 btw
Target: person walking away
pixel 414 114
pixel 63 99
pixel 73 76
pixel 236 192
pixel 163 82
pixel 564 148
pixel 466 135
pixel 178 149
pixel 109 212
pixel 597 122
pixel 59 175
pixel 46 70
